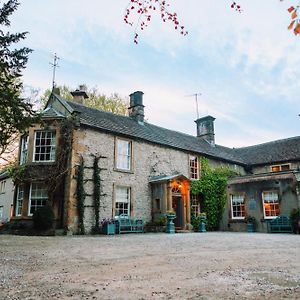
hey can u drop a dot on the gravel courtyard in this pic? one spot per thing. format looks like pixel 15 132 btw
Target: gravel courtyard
pixel 151 266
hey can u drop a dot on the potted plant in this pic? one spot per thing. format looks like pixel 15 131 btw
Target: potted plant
pixel 202 220
pixel 171 215
pixel 108 226
pixel 295 220
pixel 251 222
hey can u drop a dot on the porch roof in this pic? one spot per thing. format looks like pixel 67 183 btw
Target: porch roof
pixel 264 177
pixel 161 178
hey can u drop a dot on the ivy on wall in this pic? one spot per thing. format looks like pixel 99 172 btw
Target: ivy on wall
pixel 97 189
pixel 212 186
pixel 80 194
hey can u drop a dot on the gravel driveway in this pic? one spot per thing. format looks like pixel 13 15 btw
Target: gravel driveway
pixel 151 266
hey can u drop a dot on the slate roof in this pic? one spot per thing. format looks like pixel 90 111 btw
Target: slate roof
pixel 271 152
pixel 160 178
pixel 126 126
pixel 50 113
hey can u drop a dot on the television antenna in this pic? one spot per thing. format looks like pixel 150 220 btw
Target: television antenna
pixel 196 100
pixel 54 66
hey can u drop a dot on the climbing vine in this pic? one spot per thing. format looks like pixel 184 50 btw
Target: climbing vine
pixel 97 189
pixel 212 187
pixel 80 194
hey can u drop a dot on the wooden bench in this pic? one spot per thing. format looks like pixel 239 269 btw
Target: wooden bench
pixel 281 224
pixel 125 224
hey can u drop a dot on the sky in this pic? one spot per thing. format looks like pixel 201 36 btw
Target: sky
pixel 245 65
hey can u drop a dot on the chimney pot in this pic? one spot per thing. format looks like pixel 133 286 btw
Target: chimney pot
pixel 80 94
pixel 136 109
pixel 205 129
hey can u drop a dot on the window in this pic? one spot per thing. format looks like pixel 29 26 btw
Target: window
pixel 24 150
pixel 2 186
pixel 122 200
pixel 194 170
pixel 38 197
pixel 270 204
pixel 44 146
pixel 195 205
pixel 279 168
pixel 238 206
pixel 19 202
pixel 123 155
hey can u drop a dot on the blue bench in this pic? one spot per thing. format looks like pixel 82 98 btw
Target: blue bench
pixel 125 224
pixel 281 224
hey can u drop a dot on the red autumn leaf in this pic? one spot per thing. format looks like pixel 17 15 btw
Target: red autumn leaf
pixel 291 9
pixel 297 29
pixel 291 25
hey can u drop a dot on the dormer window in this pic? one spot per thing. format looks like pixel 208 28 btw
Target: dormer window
pixel 44 146
pixel 279 168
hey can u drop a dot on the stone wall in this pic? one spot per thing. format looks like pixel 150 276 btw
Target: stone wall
pixel 254 203
pixel 6 199
pixel 148 160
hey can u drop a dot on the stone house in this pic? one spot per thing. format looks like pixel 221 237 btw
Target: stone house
pixel 6 197
pixel 142 170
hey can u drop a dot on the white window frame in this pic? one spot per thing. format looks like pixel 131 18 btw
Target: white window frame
pixel 232 206
pixel 195 205
pixel 52 146
pixel 24 150
pixel 280 167
pixel 42 198
pixel 123 159
pixel 263 203
pixel 117 200
pixel 19 200
pixel 2 186
pixel 194 170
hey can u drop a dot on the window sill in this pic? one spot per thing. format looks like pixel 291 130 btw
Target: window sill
pixel 237 221
pixel 123 171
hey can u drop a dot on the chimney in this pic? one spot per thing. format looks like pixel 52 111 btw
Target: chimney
pixel 79 94
pixel 136 109
pixel 205 129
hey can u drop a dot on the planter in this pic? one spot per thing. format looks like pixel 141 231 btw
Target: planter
pixel 250 227
pixel 170 224
pixel 108 229
pixel 202 226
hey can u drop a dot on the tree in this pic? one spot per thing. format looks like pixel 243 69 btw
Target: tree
pixel 113 103
pixel 16 113
pixel 144 9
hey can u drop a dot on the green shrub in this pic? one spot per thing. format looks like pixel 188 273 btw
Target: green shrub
pixel 160 222
pixel 43 218
pixel 295 213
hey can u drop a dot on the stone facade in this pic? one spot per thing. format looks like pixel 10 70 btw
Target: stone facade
pixel 148 160
pixel 160 171
pixel 6 197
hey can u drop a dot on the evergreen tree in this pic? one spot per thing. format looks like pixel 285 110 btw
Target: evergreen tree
pixel 16 114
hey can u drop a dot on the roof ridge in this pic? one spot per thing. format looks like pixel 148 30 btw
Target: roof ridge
pixel 268 143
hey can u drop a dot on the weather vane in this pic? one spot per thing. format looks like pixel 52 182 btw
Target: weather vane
pixel 54 65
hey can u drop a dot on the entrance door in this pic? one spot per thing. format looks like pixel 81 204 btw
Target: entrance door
pixel 177 207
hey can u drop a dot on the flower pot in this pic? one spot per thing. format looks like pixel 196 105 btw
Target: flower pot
pixel 108 229
pixel 170 224
pixel 202 227
pixel 250 227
